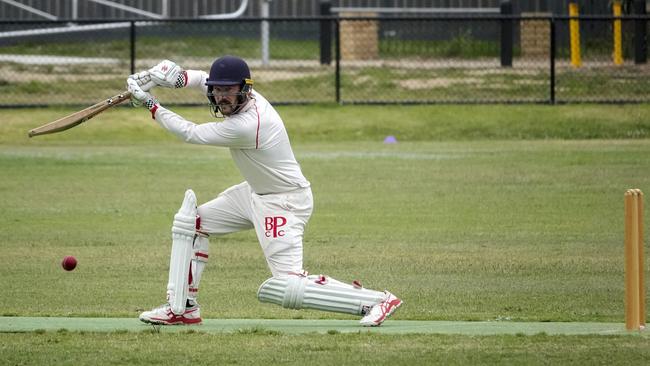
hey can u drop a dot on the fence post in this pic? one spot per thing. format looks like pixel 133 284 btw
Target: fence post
pixel 337 33
pixel 132 40
pixel 506 34
pixel 618 34
pixel 640 34
pixel 264 31
pixel 552 59
pixel 325 33
pixel 574 30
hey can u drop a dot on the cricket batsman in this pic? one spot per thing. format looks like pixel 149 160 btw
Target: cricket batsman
pixel 275 199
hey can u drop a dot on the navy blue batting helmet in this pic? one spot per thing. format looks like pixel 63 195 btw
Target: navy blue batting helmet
pixel 229 70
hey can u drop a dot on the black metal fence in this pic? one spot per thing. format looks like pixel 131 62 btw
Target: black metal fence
pixel 442 59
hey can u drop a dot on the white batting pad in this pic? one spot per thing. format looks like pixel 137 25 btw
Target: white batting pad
pixel 183 232
pixel 318 292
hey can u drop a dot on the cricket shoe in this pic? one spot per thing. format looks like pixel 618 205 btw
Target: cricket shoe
pixel 381 311
pixel 163 315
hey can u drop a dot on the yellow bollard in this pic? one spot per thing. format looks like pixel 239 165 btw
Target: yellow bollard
pixel 574 28
pixel 618 42
pixel 634 261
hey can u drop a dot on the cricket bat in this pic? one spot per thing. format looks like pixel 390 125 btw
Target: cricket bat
pixel 80 117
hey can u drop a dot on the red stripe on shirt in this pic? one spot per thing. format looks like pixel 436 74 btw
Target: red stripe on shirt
pixel 257 135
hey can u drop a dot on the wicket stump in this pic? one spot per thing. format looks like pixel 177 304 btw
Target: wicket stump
pixel 634 263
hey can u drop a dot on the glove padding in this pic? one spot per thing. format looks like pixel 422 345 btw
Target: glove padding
pixel 141 97
pixel 144 81
pixel 166 74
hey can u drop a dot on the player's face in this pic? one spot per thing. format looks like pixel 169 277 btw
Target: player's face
pixel 226 97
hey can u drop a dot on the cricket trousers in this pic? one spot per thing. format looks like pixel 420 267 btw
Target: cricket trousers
pixel 279 221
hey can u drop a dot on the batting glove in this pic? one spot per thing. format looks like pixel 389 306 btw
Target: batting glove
pixel 141 97
pixel 168 75
pixel 143 79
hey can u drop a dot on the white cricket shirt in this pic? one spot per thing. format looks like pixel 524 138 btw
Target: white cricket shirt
pixel 256 136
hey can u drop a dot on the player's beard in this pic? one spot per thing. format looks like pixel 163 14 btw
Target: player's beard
pixel 227 107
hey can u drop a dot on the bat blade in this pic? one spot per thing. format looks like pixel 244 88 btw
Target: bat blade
pixel 79 117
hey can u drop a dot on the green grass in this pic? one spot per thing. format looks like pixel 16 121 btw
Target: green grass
pixel 166 47
pixel 316 84
pixel 251 347
pixel 608 83
pixel 462 46
pixel 327 123
pixel 509 213
pixel 467 230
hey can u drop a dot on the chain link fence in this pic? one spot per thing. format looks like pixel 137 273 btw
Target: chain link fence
pixel 599 74
pixel 444 59
pixel 436 60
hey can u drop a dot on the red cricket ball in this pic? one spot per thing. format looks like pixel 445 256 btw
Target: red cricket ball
pixel 69 263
